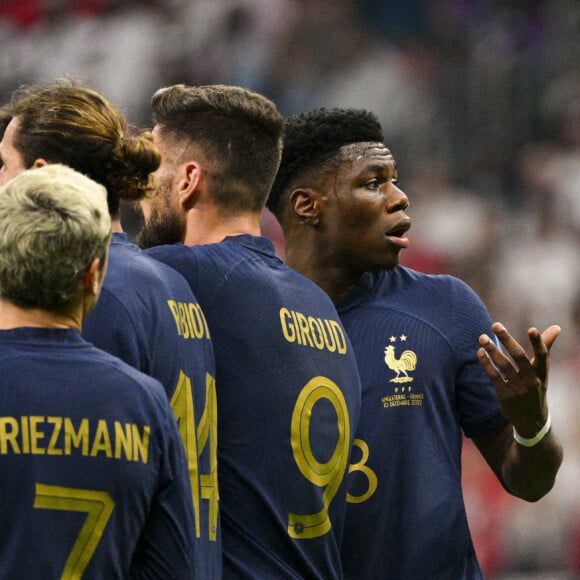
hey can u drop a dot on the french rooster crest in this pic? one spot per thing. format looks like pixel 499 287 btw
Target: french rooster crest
pixel 406 362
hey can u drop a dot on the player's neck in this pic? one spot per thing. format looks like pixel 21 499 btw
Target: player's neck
pixel 116 226
pixel 334 279
pixel 210 227
pixel 13 316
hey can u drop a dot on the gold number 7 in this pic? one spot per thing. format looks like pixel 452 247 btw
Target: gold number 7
pixel 99 506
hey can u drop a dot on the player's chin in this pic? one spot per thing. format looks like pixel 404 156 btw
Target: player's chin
pixel 391 264
pixel 392 259
pixel 383 263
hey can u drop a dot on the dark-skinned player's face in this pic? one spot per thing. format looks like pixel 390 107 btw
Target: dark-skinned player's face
pixel 363 211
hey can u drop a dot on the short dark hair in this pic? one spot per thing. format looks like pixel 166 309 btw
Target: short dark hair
pixel 67 123
pixel 238 130
pixel 312 140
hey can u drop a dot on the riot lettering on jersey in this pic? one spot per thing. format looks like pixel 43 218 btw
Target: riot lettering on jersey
pixel 189 319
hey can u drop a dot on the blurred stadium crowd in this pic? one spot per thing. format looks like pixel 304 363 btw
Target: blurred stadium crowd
pixel 481 104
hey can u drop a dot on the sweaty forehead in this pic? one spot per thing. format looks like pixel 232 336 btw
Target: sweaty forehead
pixel 366 151
pixel 359 155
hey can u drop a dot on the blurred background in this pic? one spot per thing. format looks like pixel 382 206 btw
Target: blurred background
pixel 480 101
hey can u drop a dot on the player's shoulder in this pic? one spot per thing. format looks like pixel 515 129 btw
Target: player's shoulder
pixel 141 270
pixel 124 377
pixel 442 283
pixel 230 249
pixel 441 297
pixel 410 276
pixel 411 288
pixel 114 366
pixel 135 261
pixel 177 256
pixel 167 251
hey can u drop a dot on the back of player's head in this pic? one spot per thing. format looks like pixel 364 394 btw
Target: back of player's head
pixel 312 141
pixel 70 124
pixel 238 132
pixel 53 222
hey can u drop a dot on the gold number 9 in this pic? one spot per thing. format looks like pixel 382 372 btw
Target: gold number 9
pixel 329 474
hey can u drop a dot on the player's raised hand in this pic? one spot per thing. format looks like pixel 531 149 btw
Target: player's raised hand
pixel 520 381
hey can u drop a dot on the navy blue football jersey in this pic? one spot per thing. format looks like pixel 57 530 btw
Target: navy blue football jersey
pixel 94 480
pixel 148 316
pixel 288 396
pixel 416 340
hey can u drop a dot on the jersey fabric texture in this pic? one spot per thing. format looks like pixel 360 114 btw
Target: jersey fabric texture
pixel 288 397
pixel 416 341
pixel 94 477
pixel 148 316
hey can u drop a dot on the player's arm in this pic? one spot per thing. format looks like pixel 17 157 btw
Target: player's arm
pixel 111 327
pixel 166 547
pixel 526 460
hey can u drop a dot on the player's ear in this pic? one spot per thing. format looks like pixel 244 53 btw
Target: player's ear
pixel 92 277
pixel 188 186
pixel 40 162
pixel 304 203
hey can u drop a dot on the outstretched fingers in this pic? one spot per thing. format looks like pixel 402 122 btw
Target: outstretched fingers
pixel 520 381
pixel 550 335
pixel 495 363
pixel 513 364
pixel 542 343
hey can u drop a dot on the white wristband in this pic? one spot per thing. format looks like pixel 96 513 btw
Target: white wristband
pixel 534 440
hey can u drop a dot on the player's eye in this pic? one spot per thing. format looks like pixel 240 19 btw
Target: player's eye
pixel 373 184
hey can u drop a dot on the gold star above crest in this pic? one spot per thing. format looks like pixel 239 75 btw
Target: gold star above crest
pixel 403 338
